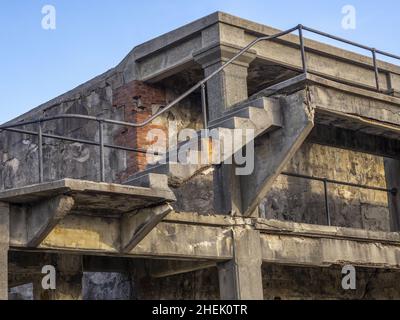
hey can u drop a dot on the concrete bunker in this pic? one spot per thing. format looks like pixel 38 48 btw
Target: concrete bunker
pixel 205 232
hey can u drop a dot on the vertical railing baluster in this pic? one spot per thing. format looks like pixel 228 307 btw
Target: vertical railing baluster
pixel 40 151
pixel 204 105
pixel 302 48
pixel 328 214
pixel 376 70
pixel 101 138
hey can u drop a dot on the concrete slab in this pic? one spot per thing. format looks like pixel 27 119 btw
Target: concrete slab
pixel 104 199
pixel 344 106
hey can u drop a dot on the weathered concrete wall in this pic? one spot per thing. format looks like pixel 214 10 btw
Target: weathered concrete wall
pixel 295 283
pixel 196 195
pixel 279 282
pixel 198 285
pixel 301 200
pixel 118 95
pixel 19 152
pixel 109 99
pixel 107 286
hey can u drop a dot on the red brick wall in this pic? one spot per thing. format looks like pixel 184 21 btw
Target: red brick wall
pixel 137 98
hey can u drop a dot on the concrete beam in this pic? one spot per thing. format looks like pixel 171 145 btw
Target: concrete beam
pixel 21 262
pixel 83 234
pixel 137 225
pixel 311 245
pixel 229 26
pixel 167 268
pixel 105 264
pixel 16 280
pixel 31 262
pixel 316 231
pixel 175 36
pixel 173 49
pixel 172 240
pixel 179 236
pixel 327 252
pixel 4 246
pixel 193 237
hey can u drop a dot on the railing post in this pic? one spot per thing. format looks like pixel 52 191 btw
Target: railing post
pixel 302 48
pixel 328 214
pixel 40 151
pixel 204 105
pixel 101 138
pixel 376 70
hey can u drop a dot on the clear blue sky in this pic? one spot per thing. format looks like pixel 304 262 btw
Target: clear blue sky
pixel 94 35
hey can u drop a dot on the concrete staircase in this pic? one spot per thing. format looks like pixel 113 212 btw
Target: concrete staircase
pixel 219 143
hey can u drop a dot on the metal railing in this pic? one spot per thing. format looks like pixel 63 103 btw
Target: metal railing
pixel 326 182
pixel 374 52
pixel 101 143
pixel 202 85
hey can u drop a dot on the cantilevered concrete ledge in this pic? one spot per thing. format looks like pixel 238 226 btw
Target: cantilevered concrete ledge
pixel 104 199
pixel 344 106
pixel 190 30
pixel 35 211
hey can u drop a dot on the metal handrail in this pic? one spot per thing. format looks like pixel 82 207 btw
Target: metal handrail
pixel 203 82
pixel 326 181
pixel 202 85
pixel 168 106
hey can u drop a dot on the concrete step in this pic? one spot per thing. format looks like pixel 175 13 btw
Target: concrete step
pixel 180 152
pixel 174 172
pixel 260 103
pixel 263 119
pixel 234 123
pixel 150 180
pixel 228 142
pixel 190 157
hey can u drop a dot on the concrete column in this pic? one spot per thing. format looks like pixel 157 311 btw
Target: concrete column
pixel 4 246
pixel 68 280
pixel 227 191
pixel 392 172
pixel 230 85
pixel 241 278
